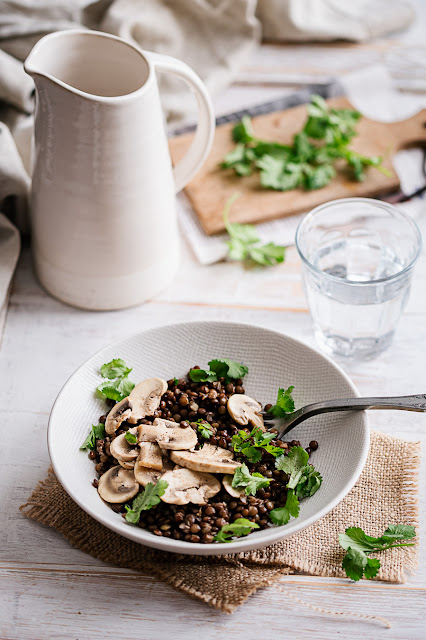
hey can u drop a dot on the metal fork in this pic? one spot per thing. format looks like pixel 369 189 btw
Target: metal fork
pixel 286 424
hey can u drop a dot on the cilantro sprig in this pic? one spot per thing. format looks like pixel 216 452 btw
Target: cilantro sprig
pixel 116 385
pixel 303 481
pixel 243 243
pixel 97 432
pixel 145 500
pixel 359 546
pixel 309 161
pixel 251 444
pixel 240 527
pixel 204 429
pixel 219 367
pixel 284 403
pixel 251 482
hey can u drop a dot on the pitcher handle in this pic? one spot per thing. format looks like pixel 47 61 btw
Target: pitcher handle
pixel 203 139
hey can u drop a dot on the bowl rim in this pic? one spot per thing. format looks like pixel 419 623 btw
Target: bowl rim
pixel 141 536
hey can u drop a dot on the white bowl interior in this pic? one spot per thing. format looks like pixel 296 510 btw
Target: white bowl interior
pixel 273 360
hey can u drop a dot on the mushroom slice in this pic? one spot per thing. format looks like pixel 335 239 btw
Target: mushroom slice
pixel 210 459
pixel 118 414
pixel 150 455
pixel 117 485
pixel 244 409
pixel 123 450
pixel 227 483
pixel 125 464
pixel 145 398
pixel 186 486
pixel 143 475
pixel 168 434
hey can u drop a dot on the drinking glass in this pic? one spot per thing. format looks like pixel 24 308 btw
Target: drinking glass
pixel 358 256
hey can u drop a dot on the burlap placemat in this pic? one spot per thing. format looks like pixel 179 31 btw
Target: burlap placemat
pixel 386 493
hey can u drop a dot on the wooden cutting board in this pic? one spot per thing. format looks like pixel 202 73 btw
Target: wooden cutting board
pixel 212 187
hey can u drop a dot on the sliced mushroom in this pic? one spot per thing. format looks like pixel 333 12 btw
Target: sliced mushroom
pixel 244 409
pixel 123 450
pixel 227 483
pixel 186 486
pixel 117 485
pixel 168 434
pixel 143 475
pixel 150 456
pixel 145 398
pixel 210 458
pixel 126 464
pixel 118 414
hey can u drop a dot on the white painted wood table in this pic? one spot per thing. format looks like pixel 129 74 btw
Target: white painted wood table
pixel 49 590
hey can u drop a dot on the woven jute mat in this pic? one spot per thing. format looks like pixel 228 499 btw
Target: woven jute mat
pixel 386 493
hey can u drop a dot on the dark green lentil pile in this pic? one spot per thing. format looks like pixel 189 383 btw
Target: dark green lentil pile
pixel 186 402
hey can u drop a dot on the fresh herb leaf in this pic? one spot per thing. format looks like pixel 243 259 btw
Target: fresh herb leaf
pixel 243 131
pixel 307 162
pixel 176 381
pixel 204 429
pixel 131 438
pixel 145 500
pixel 252 483
pixel 243 243
pixel 359 545
pixel 250 445
pixel 283 514
pixel 116 385
pixel 219 367
pixel 200 375
pixel 284 404
pixel 115 369
pixel 293 464
pixel 309 483
pixel 97 432
pixel 228 368
pixel 240 527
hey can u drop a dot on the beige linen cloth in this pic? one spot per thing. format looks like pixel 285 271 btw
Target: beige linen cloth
pixel 386 493
pixel 215 37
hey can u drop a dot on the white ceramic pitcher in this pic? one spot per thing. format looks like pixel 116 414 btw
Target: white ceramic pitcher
pixel 103 195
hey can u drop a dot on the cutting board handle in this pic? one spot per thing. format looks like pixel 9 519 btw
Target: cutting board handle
pixel 411 132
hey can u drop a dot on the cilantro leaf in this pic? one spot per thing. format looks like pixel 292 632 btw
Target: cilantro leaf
pixel 354 564
pixel 228 368
pixel 252 483
pixel 250 445
pixel 318 177
pixel 309 483
pixel 243 131
pixel 97 432
pixel 243 243
pixel 219 367
pixel 115 369
pixel 282 515
pixel 293 464
pixel 116 385
pixel 204 429
pixel 307 162
pixel 145 500
pixel 240 527
pixel 200 375
pixel 131 437
pixel 399 532
pixel 359 545
pixel 284 404
pixel 372 567
pixel 268 254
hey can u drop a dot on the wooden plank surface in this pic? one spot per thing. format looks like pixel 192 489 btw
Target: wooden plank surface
pixel 210 189
pixel 50 591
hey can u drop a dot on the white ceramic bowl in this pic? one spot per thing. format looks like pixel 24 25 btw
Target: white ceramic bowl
pixel 273 360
